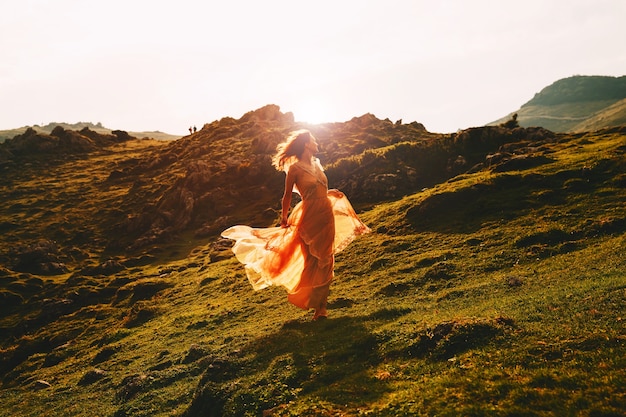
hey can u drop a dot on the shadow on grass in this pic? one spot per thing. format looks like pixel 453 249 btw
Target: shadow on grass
pixel 331 360
pixel 467 209
pixel 507 195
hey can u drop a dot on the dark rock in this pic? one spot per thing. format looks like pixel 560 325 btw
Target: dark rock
pixel 194 353
pixel 121 135
pixel 394 288
pixel 139 314
pixel 139 261
pixel 92 376
pixel 116 174
pixel 161 365
pixel 132 385
pixel 10 299
pixel 341 302
pixel 440 271
pixel 41 257
pixel 104 354
pixel 56 307
pixel 521 162
pixel 452 337
pixel 106 268
pixel 514 281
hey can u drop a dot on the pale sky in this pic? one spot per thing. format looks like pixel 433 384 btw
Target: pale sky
pixel 142 65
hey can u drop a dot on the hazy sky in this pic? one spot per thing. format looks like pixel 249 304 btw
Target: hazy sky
pixel 165 65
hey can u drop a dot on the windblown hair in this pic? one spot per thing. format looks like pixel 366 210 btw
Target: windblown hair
pixel 290 151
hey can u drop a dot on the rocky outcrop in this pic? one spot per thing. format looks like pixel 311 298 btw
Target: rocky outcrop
pixel 59 141
pixel 224 173
pixel 42 258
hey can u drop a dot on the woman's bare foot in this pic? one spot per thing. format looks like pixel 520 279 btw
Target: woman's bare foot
pixel 320 314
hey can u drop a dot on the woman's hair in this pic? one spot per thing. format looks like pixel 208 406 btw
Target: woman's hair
pixel 289 151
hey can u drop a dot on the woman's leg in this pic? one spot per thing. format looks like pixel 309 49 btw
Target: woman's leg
pixel 314 286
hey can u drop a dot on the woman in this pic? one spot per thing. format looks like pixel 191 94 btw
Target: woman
pixel 299 255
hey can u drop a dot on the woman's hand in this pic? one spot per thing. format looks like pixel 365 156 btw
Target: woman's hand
pixel 335 193
pixel 283 222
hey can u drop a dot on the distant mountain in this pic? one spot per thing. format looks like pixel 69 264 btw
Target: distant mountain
pixel 47 129
pixel 576 104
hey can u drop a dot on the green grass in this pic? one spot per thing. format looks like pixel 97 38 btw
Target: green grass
pixel 492 294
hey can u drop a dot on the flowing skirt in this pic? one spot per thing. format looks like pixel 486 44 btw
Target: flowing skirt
pixel 299 257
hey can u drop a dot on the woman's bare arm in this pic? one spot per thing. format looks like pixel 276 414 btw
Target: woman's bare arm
pixel 286 202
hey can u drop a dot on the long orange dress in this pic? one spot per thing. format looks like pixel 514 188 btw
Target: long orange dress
pixel 300 257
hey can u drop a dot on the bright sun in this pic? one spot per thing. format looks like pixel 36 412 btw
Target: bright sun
pixel 313 113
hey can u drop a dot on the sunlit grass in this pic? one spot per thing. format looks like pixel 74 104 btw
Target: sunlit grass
pixel 506 300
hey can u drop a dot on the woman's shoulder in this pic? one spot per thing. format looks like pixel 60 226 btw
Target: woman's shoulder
pixel 295 170
pixel 302 167
pixel 295 167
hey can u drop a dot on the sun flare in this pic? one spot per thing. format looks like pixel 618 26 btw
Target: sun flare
pixel 312 113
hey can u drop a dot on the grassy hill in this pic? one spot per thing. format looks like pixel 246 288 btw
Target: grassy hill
pixel 492 284
pixel 613 115
pixel 47 129
pixel 576 104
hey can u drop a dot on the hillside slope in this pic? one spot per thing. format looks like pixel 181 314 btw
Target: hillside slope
pixel 196 185
pixel 492 284
pixel 576 104
pixel 613 115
